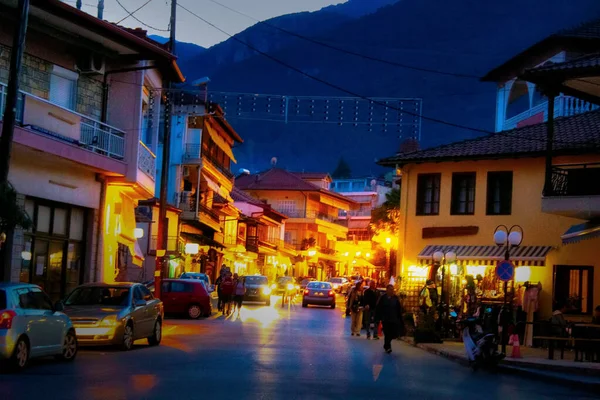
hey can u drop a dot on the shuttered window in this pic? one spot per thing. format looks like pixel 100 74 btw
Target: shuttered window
pixel 63 85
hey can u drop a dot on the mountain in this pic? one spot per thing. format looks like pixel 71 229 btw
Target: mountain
pixel 185 51
pixel 461 36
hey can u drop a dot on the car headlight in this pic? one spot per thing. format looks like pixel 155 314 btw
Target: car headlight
pixel 111 320
pixel 290 286
pixel 266 290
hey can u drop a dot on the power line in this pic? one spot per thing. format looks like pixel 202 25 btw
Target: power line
pixel 130 14
pixel 373 101
pixel 133 12
pixel 350 52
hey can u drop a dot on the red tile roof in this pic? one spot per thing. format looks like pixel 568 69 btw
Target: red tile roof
pixel 579 134
pixel 313 175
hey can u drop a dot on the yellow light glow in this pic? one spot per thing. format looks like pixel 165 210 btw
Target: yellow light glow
pixel 368 255
pixel 475 270
pixel 26 255
pixel 388 240
pixel 453 269
pixel 290 286
pixel 523 274
pixel 192 248
pixel 312 253
pixel 138 233
pixel 418 271
pixel 346 254
pixel 358 253
pixel 266 290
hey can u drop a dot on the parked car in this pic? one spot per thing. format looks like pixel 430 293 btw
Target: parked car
pixel 197 275
pixel 30 327
pixel 340 285
pixel 284 284
pixel 257 289
pixel 318 293
pixel 186 296
pixel 115 314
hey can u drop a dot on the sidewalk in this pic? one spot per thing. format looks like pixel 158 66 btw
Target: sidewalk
pixel 534 363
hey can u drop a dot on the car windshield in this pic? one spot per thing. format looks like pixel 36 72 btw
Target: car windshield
pixel 98 296
pixel 336 280
pixel 319 285
pixel 256 280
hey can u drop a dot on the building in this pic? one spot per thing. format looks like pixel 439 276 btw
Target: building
pixel 313 225
pixel 521 102
pixel 81 156
pixel 201 181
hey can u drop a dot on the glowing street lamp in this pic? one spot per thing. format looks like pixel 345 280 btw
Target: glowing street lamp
pixel 192 248
pixel 138 233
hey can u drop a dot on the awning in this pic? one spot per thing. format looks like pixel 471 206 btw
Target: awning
pixel 577 233
pixel 201 239
pixel 486 255
pixel 219 141
pixel 328 257
pixel 137 258
pixel 215 187
pixel 127 227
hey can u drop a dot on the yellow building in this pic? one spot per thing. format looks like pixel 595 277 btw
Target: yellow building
pixel 454 196
pixel 312 209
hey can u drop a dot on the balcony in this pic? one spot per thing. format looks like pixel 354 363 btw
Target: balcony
pixel 564 106
pixel 252 243
pixel 218 166
pixel 311 214
pixel 59 123
pixel 197 212
pixel 575 192
pixel 355 213
pixel 192 154
pixel 175 245
pixel 147 161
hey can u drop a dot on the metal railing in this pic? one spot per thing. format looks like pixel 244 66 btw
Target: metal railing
pixel 576 180
pixel 192 152
pixel 93 135
pixel 174 244
pixel 147 161
pixel 187 203
pixel 355 213
pixel 224 170
pixel 298 213
pixel 252 243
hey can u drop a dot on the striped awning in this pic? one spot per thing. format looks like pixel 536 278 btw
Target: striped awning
pixel 488 255
pixel 577 233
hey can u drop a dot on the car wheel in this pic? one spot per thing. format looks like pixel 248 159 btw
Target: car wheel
pixel 70 347
pixel 304 304
pixel 127 337
pixel 194 311
pixel 156 337
pixel 20 357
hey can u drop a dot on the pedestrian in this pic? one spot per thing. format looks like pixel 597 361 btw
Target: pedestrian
pixel 389 312
pixel 227 290
pixel 240 291
pixel 371 296
pixel 356 303
pixel 219 292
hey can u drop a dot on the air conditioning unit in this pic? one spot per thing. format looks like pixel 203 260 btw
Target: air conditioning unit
pixel 186 172
pixel 91 64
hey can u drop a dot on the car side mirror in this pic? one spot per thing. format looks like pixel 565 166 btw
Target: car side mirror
pixel 139 303
pixel 59 306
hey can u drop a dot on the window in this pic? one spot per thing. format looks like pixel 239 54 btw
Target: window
pixel 428 194
pixel 180 287
pixel 63 84
pixel 137 294
pixel 499 193
pixel 463 193
pixel 287 207
pixel 146 293
pixel 573 285
pixel 40 300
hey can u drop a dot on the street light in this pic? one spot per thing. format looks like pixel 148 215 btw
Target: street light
pixel 444 258
pixel 507 238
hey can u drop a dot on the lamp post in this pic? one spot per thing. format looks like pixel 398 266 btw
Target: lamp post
pixel 388 242
pixel 507 238
pixel 444 258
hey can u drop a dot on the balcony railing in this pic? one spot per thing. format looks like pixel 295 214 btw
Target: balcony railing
pixel 192 153
pixel 297 213
pixel 174 244
pixel 187 203
pixel 355 213
pixel 252 243
pixel 147 161
pixel 576 180
pixel 47 118
pixel 224 170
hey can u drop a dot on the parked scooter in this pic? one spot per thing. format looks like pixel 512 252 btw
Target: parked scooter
pixel 481 347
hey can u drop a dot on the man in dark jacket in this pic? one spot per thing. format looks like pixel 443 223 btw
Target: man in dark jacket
pixel 370 299
pixel 389 312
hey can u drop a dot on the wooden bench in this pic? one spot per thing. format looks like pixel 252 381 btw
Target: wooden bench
pixel 551 341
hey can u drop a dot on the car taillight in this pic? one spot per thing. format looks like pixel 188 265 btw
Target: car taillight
pixel 331 293
pixel 306 291
pixel 6 319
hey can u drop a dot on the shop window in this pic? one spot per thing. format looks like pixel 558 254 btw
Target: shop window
pixel 428 194
pixel 43 219
pixel 499 193
pixel 573 285
pixel 73 266
pixel 59 225
pixel 463 193
pixel 77 223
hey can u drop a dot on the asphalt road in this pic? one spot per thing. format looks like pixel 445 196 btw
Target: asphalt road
pixel 268 353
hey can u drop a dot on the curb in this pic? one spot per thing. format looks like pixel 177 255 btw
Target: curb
pixel 510 368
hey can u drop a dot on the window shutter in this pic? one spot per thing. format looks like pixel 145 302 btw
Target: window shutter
pixel 62 91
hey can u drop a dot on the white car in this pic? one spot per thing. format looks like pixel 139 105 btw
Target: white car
pixel 30 327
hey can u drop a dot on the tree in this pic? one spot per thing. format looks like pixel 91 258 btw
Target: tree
pixel 385 218
pixel 342 171
pixel 11 214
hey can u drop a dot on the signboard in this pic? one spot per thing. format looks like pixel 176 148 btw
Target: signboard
pixel 505 271
pixel 449 231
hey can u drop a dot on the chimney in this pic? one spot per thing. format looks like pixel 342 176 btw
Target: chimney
pixel 100 9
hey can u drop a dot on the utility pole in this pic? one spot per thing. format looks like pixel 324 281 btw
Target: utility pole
pixel 10 116
pixel 161 242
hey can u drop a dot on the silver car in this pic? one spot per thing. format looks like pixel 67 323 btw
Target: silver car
pixel 30 326
pixel 318 293
pixel 115 314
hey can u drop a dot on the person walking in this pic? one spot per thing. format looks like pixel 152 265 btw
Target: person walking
pixel 356 304
pixel 227 290
pixel 389 312
pixel 240 291
pixel 371 295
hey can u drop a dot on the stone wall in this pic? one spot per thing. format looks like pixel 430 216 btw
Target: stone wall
pixel 35 79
